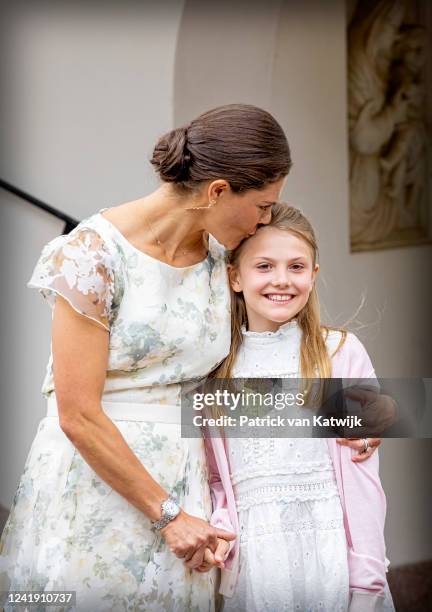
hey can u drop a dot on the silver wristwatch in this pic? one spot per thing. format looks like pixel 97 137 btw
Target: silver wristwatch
pixel 169 510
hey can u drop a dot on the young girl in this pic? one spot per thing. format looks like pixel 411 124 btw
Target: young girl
pixel 310 521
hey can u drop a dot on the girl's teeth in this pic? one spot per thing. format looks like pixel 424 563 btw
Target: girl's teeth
pixel 279 298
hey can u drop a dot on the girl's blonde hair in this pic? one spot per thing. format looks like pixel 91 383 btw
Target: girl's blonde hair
pixel 314 358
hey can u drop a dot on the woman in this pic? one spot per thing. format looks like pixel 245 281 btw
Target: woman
pixel 141 303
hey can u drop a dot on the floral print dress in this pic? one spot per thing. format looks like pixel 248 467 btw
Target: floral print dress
pixel 68 530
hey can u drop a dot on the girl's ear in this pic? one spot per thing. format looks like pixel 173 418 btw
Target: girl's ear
pixel 314 275
pixel 234 278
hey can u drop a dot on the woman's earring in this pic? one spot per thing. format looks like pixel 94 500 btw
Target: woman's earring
pixel 210 204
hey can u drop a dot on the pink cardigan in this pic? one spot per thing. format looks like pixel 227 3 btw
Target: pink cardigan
pixel 362 497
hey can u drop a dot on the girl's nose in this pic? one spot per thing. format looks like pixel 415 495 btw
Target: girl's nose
pixel 281 279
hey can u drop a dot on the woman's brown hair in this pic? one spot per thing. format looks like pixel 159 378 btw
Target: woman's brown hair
pixel 240 143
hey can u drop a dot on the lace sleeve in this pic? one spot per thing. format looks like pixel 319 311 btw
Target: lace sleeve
pixel 80 268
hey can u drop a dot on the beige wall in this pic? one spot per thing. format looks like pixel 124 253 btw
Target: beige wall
pixel 24 333
pixel 86 90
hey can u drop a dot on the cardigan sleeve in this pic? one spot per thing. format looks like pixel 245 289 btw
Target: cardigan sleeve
pixel 362 495
pixel 364 514
pixel 220 515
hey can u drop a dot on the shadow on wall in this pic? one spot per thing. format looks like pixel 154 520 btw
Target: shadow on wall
pixel 3 517
pixel 411 587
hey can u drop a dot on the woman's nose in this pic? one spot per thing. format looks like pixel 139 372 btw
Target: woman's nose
pixel 266 218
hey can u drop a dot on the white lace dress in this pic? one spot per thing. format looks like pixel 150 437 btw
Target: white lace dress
pixel 293 552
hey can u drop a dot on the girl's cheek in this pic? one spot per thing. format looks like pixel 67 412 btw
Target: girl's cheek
pixel 306 285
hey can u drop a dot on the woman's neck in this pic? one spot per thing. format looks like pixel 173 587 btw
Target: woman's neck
pixel 161 224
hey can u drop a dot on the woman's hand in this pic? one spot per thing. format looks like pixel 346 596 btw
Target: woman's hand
pixel 214 559
pixel 378 412
pixel 188 537
pixel 359 445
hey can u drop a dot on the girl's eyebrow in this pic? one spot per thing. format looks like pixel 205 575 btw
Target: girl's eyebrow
pixel 270 259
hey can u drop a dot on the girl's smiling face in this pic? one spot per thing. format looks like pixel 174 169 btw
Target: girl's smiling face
pixel 276 273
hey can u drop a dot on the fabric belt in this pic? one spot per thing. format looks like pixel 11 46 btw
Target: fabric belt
pixel 131 411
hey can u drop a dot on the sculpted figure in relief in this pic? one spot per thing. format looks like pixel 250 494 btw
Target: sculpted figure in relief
pixel 387 134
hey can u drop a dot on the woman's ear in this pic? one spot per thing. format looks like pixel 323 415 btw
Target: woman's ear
pixel 216 188
pixel 234 278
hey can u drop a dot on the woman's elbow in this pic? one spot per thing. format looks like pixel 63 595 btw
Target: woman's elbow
pixel 73 420
pixel 72 426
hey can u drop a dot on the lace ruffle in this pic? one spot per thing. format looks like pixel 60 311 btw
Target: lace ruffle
pixel 302 491
pixel 294 527
pixel 310 467
pixel 286 328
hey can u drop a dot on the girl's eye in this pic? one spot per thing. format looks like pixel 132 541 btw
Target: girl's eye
pixel 263 266
pixel 297 267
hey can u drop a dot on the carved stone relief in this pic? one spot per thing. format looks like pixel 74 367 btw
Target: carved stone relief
pixel 389 123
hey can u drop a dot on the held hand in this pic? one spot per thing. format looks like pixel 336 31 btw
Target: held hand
pixel 214 559
pixel 187 535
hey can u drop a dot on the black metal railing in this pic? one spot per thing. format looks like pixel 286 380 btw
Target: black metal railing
pixel 69 222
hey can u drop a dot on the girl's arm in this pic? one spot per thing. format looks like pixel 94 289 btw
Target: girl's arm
pixel 220 517
pixel 362 497
pixel 364 506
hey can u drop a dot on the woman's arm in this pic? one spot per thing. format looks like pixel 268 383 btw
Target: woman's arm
pixel 351 361
pixel 80 356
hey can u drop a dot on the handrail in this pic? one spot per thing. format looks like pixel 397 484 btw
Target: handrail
pixel 69 222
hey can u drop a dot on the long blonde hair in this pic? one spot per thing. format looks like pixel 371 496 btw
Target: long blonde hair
pixel 314 358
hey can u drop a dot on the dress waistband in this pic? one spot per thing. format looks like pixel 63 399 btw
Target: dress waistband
pixel 129 411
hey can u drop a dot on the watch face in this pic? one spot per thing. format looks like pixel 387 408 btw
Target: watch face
pixel 170 508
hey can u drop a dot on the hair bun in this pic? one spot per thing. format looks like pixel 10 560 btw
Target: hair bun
pixel 239 143
pixel 171 157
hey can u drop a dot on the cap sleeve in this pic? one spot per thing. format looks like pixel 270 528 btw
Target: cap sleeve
pixel 80 268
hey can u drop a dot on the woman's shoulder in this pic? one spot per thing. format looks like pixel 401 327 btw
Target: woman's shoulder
pixel 84 268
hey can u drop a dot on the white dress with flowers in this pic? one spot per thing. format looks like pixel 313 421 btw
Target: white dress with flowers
pixel 68 530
